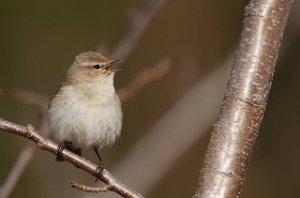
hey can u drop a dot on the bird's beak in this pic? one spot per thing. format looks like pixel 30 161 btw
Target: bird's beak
pixel 115 61
pixel 111 64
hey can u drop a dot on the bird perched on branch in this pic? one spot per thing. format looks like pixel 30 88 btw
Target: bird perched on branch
pixel 86 111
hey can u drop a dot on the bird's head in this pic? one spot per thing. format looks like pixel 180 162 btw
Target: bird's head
pixel 91 67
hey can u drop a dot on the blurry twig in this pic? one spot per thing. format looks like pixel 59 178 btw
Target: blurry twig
pixel 24 97
pixel 30 98
pixel 15 173
pixel 143 78
pixel 46 144
pixel 198 108
pixel 139 24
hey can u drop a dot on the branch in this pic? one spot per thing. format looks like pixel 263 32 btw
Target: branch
pixel 90 189
pixel 235 132
pixel 185 130
pixel 15 173
pixel 80 162
pixel 24 97
pixel 30 98
pixel 143 78
pixel 139 24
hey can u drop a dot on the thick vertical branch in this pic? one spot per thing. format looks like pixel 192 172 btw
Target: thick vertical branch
pixel 245 101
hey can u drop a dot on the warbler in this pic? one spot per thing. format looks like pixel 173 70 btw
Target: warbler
pixel 86 111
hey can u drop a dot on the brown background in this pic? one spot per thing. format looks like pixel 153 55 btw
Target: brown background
pixel 38 41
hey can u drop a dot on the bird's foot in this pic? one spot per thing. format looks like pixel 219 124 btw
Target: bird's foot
pixel 72 148
pixel 100 169
pixel 68 145
pixel 59 152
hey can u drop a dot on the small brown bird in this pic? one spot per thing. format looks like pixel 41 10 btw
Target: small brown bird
pixel 86 111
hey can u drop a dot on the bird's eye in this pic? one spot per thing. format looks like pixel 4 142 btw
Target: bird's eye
pixel 97 66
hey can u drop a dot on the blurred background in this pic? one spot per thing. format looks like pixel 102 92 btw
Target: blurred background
pixel 167 124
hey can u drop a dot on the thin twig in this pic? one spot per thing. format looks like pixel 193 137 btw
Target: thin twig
pixel 139 24
pixel 144 78
pixel 185 130
pixel 90 189
pixel 80 162
pixel 235 132
pixel 24 97
pixel 28 98
pixel 15 173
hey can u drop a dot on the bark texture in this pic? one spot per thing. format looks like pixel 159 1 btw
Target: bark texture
pixel 235 132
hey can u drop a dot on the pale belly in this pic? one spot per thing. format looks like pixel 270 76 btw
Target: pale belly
pixel 86 124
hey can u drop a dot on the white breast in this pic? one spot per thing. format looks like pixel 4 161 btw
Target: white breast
pixel 86 118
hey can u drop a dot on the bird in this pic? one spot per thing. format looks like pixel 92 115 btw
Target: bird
pixel 86 111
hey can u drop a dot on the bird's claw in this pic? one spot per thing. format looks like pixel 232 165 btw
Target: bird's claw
pixel 99 170
pixel 59 152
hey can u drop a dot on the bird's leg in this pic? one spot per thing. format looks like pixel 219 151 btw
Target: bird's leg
pixel 68 145
pixel 97 153
pixel 100 167
pixel 72 148
pixel 61 147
